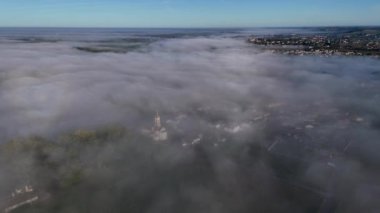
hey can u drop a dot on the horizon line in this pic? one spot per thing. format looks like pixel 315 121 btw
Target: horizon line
pixel 211 27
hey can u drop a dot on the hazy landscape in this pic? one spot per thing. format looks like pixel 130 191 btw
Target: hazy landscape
pixel 248 129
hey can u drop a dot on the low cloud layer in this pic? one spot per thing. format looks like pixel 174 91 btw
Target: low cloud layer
pixel 205 86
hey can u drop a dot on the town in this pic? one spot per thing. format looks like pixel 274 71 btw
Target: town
pixel 348 42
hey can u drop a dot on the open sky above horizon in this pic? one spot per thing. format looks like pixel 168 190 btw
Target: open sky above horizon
pixel 186 13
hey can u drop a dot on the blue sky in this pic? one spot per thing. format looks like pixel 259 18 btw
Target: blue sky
pixel 188 13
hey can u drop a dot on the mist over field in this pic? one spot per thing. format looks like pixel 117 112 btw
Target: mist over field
pixel 249 130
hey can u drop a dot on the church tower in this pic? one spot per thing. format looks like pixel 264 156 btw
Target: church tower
pixel 157 122
pixel 159 132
